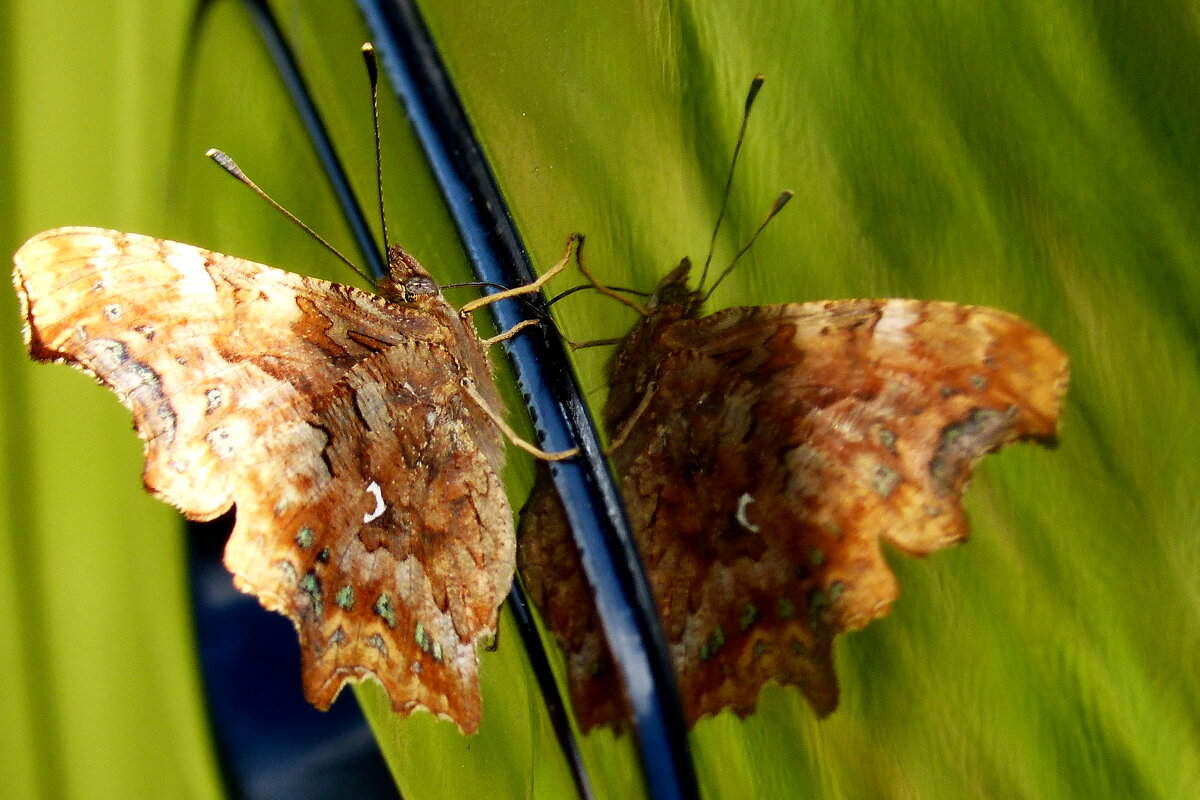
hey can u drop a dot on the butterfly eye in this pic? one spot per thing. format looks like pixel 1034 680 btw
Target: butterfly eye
pixel 420 285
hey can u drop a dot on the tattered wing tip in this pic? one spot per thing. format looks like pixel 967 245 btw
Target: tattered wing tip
pixel 18 279
pixel 28 253
pixel 195 513
pixel 322 692
pixel 322 686
pixel 823 703
pixel 1047 374
pixel 1062 382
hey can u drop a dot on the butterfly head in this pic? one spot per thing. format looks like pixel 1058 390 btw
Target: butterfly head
pixel 673 297
pixel 406 279
pixel 635 361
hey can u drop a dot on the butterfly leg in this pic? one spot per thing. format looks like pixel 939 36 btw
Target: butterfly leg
pixel 628 425
pixel 574 345
pixel 529 288
pixel 511 332
pixel 512 435
pixel 592 342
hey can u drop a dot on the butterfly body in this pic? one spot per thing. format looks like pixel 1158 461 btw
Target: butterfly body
pixel 764 453
pixel 340 424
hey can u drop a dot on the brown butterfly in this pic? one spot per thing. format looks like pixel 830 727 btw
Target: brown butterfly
pixel 358 435
pixel 764 453
pixel 352 432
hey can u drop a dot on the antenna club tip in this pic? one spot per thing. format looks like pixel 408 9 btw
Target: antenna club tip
pixel 368 54
pixel 226 163
pixel 781 201
pixel 755 85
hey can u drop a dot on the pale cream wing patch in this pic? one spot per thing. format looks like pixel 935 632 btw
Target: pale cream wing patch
pixel 205 349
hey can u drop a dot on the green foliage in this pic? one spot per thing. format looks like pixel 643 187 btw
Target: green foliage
pixel 1034 156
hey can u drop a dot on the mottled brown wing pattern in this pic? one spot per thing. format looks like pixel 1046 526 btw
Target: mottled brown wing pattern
pixel 765 452
pixel 368 504
pixel 553 575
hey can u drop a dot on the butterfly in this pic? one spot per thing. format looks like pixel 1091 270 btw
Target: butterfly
pixel 764 454
pixel 357 435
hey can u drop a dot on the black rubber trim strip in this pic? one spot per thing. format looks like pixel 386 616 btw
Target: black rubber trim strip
pixel 594 509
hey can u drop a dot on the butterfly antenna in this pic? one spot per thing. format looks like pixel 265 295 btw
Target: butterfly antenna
pixel 606 290
pixel 368 51
pixel 229 165
pixel 587 287
pixel 780 202
pixel 755 85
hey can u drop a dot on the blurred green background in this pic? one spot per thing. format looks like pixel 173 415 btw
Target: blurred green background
pixel 1041 156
